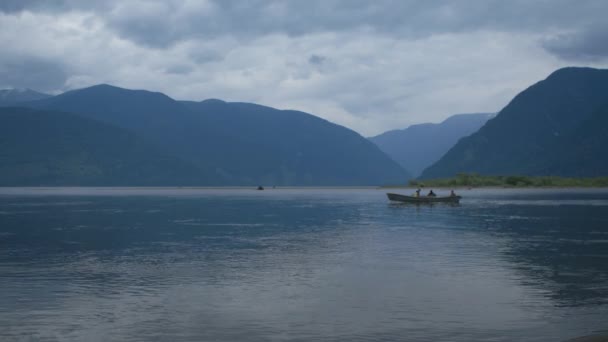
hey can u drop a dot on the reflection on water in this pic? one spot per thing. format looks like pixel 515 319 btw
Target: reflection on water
pixel 301 264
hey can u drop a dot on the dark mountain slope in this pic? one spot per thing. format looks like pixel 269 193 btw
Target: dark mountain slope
pixel 418 146
pixel 154 117
pixel 54 148
pixel 582 153
pixel 290 147
pixel 238 143
pixel 530 130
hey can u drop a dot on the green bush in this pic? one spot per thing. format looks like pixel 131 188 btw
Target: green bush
pixel 469 180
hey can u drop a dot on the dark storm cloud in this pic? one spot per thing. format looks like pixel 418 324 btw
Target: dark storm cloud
pixel 157 24
pixel 589 44
pixel 31 72
pixel 161 24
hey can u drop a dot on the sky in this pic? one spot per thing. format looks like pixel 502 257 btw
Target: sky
pixel 371 66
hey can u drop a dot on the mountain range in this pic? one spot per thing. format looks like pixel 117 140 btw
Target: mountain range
pixel 106 135
pixel 419 146
pixel 222 143
pixel 555 127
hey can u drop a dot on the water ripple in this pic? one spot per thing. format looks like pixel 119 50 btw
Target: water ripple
pixel 301 264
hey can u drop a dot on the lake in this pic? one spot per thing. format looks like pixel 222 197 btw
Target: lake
pixel 164 264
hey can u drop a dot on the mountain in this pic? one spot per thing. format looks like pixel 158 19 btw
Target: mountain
pixel 290 147
pixel 153 117
pixel 14 96
pixel 237 143
pixel 54 148
pixel 418 146
pixel 545 130
pixel 582 152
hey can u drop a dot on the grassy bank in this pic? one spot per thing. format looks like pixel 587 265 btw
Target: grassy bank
pixel 474 180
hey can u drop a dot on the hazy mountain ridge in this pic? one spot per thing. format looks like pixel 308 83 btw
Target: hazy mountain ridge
pixel 17 95
pixel 418 146
pixel 530 134
pixel 237 143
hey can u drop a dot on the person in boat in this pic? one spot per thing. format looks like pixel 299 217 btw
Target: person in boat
pixel 431 194
pixel 452 193
pixel 418 192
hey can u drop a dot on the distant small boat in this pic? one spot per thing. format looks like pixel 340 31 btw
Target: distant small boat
pixel 423 199
pixel 260 187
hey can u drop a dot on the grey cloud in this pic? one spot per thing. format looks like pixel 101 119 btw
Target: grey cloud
pixel 54 6
pixel 590 44
pixel 316 59
pixel 12 6
pixel 173 21
pixel 204 55
pixel 181 69
pixel 32 72
pixel 152 32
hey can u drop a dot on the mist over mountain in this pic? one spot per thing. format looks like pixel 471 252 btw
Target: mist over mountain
pixel 15 96
pixel 237 143
pixel 39 147
pixel 418 146
pixel 555 127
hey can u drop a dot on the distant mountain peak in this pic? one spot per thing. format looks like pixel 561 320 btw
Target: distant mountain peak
pixel 104 92
pixel 109 87
pixel 572 70
pixel 420 145
pixel 213 101
pixel 467 116
pixel 104 86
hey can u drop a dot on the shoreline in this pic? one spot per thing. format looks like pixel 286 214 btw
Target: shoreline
pixel 84 190
pixel 496 187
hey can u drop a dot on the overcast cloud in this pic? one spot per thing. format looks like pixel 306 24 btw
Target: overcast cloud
pixel 368 65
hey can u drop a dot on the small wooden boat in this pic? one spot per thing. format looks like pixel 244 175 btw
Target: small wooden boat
pixel 423 199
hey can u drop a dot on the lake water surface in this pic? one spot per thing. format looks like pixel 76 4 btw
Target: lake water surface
pixel 135 264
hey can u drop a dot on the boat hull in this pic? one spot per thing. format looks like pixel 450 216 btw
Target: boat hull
pixel 423 199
